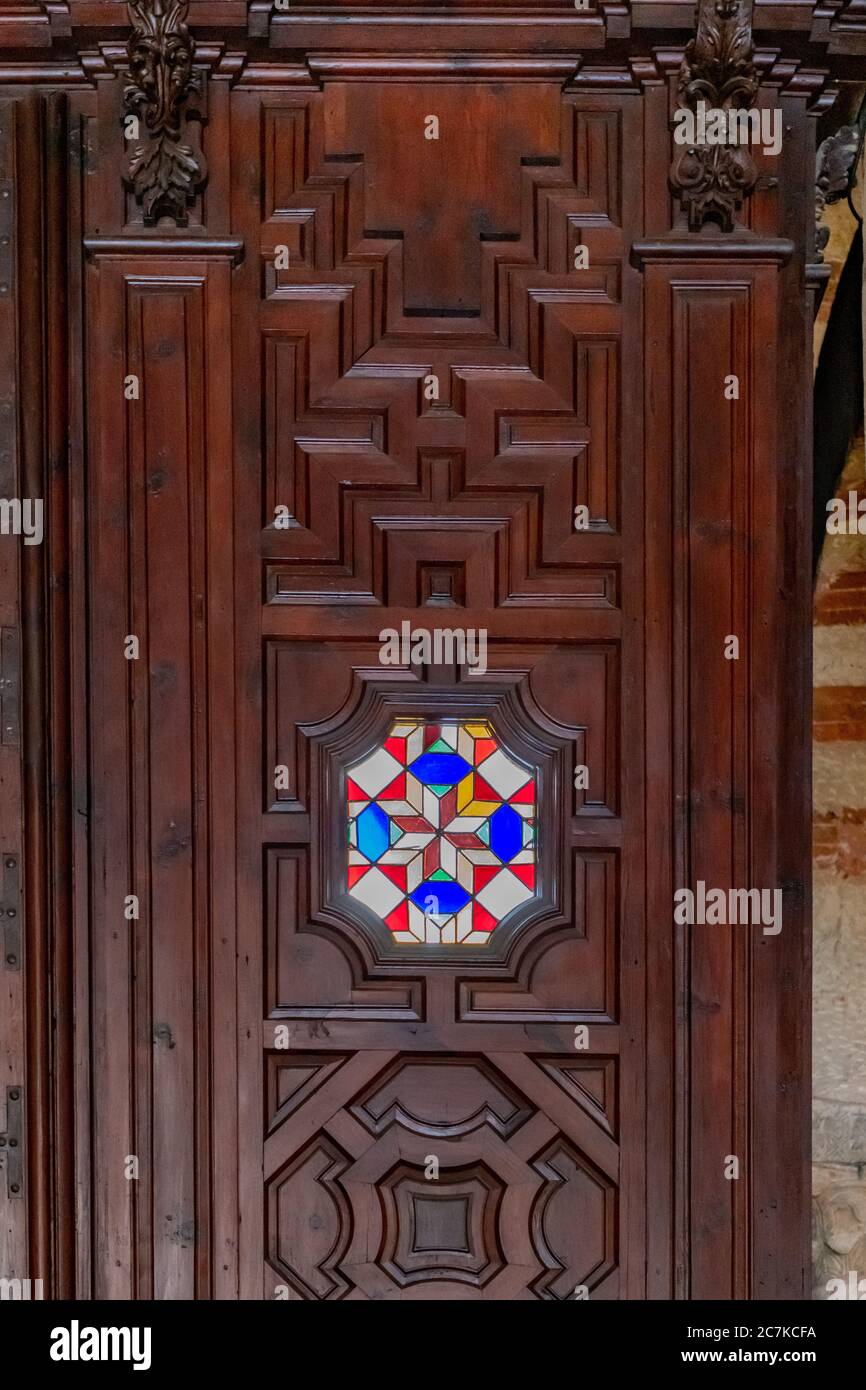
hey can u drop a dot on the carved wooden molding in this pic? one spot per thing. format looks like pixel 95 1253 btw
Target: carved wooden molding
pixel 837 24
pixel 165 173
pixel 718 70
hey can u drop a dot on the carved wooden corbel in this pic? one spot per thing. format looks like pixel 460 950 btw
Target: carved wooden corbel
pixel 165 173
pixel 718 70
pixel 835 176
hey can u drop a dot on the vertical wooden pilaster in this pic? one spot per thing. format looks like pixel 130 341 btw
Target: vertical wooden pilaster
pixel 713 314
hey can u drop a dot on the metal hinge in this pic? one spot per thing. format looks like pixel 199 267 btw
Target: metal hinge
pixel 10 913
pixel 11 1142
pixel 10 687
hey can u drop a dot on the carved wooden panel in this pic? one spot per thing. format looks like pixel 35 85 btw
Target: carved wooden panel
pixel 328 377
pixel 452 505
pixel 578 886
pixel 525 352
pixel 523 1204
pixel 726 580
pixel 160 656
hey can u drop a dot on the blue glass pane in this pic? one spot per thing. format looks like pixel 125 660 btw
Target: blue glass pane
pixel 373 827
pixel 444 769
pixel 506 833
pixel 450 896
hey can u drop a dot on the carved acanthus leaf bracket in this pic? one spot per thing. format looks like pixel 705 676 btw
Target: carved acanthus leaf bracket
pixel 717 71
pixel 835 177
pixel 165 173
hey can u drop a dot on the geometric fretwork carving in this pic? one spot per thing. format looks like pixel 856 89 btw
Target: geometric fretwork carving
pixel 309 1221
pixel 441 584
pixel 572 1221
pixel 517 1203
pixel 291 1082
pixel 443 238
pixel 441 385
pixel 576 976
pixel 521 434
pixel 441 1097
pixel 591 1082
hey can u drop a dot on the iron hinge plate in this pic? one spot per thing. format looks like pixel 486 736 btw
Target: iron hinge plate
pixel 10 687
pixel 10 913
pixel 11 1142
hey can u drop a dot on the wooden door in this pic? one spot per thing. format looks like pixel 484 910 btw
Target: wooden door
pixel 451 935
pixel 408 520
pixel 438 1004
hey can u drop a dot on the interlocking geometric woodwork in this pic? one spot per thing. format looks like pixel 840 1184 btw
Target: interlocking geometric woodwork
pixel 285 1077
pixel 358 1210
pixel 309 1222
pixel 290 1081
pixel 591 1083
pixel 525 350
pixel 459 1098
pixel 447 1232
pixel 573 1199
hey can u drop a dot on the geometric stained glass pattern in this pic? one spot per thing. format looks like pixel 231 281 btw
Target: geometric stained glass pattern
pixel 441 832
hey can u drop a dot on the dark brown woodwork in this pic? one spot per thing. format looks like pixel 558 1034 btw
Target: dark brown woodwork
pixel 165 173
pixel 282 1071
pixel 718 71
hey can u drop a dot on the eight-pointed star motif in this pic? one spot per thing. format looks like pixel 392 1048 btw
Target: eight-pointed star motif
pixel 442 835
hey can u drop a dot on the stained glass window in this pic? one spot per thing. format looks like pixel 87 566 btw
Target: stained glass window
pixel 442 835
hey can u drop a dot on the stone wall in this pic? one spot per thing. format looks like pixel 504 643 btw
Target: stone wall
pixel 839 1054
pixel 839 865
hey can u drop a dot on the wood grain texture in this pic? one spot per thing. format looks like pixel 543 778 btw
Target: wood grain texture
pixel 272 1170
pixel 385 490
pixel 725 539
pixel 160 758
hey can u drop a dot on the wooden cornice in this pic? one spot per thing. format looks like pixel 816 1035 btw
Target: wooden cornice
pixel 806 29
